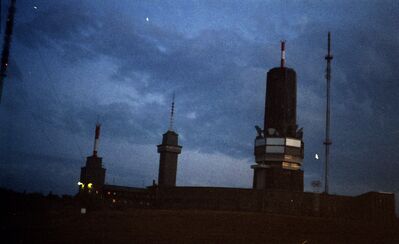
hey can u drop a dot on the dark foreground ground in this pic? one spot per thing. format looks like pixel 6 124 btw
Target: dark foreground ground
pixel 25 221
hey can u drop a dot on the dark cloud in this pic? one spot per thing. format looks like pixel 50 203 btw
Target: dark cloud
pixel 200 69
pixel 105 60
pixel 38 172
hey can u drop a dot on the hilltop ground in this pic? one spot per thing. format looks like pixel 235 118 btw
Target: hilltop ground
pixel 58 220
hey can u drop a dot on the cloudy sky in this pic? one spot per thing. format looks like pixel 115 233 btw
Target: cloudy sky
pixel 73 62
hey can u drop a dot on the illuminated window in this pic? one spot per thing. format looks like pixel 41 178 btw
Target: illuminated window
pixel 288 165
pixel 81 184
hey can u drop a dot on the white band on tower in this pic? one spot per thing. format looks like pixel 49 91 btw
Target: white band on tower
pixel 96 139
pixel 282 54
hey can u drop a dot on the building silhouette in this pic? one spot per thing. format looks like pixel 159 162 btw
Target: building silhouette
pixel 278 177
pixel 279 147
pixel 168 154
pixel 92 175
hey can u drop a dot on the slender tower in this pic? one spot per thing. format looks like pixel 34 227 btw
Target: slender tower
pixel 279 147
pixel 327 142
pixel 92 176
pixel 7 44
pixel 168 154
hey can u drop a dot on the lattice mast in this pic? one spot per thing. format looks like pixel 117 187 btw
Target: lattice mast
pixel 327 141
pixel 7 44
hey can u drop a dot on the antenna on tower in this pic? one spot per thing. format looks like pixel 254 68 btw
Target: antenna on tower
pixel 327 141
pixel 172 111
pixel 96 138
pixel 282 53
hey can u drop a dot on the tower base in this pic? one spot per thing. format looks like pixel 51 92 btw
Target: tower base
pixel 92 176
pixel 274 178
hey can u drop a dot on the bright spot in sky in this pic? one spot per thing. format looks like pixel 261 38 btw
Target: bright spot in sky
pixel 316 156
pixel 34 7
pixel 192 115
pixel 147 19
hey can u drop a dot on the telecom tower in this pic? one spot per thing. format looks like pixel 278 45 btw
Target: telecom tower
pixel 327 141
pixel 92 176
pixel 279 148
pixel 168 154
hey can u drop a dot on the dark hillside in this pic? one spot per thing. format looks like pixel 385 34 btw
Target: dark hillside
pixel 58 220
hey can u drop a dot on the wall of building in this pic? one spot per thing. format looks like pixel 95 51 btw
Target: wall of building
pixel 371 206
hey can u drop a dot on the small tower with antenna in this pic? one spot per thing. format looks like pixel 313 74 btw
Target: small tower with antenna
pixel 327 142
pixel 92 175
pixel 168 154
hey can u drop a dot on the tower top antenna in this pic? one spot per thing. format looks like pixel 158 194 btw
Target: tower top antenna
pixel 282 53
pixel 96 138
pixel 172 111
pixel 329 57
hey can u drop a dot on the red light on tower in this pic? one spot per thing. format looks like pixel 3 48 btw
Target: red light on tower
pixel 96 139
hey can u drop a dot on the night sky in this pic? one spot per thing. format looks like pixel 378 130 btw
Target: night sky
pixel 73 62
